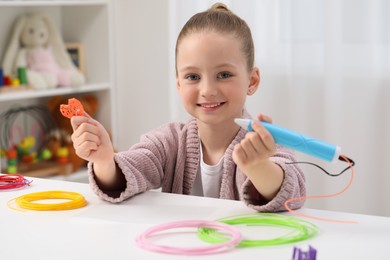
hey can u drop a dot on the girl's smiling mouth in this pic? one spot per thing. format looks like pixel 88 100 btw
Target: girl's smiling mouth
pixel 211 105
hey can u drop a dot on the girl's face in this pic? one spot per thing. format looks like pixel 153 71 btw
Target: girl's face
pixel 212 77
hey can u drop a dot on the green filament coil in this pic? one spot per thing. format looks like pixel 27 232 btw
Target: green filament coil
pixel 299 229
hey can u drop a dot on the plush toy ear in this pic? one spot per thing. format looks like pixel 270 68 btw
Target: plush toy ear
pixel 56 43
pixel 13 46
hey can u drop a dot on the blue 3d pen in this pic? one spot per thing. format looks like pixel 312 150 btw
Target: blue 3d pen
pixel 296 141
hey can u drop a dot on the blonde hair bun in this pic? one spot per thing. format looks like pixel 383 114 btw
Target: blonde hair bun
pixel 219 7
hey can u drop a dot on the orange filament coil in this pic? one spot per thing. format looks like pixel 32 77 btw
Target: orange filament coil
pixel 75 200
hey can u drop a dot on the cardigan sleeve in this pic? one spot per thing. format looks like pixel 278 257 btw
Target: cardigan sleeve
pixel 293 186
pixel 143 165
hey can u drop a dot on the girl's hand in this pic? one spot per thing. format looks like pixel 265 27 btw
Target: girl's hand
pixel 91 140
pixel 252 156
pixel 255 149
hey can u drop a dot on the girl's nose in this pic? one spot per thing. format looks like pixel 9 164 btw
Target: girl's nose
pixel 208 88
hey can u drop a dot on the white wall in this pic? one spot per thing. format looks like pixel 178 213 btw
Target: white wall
pixel 142 74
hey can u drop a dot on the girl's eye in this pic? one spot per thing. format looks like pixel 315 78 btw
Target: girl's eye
pixel 192 77
pixel 224 75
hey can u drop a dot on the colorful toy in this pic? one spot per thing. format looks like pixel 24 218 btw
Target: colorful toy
pixel 23 134
pixel 36 44
pixel 26 145
pixel 12 160
pixel 299 254
pixel 62 155
pixel 46 154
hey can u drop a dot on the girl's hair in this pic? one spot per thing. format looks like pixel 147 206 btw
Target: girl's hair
pixel 218 18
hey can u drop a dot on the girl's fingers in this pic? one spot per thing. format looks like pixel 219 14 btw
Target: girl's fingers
pixel 85 149
pixel 265 136
pixel 87 115
pixel 248 147
pixel 76 121
pixel 264 118
pixel 85 136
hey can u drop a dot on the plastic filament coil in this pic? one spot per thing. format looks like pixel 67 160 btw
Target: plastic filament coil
pixel 299 229
pixel 145 240
pixel 74 200
pixel 13 181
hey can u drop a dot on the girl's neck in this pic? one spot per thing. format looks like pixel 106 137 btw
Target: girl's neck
pixel 215 140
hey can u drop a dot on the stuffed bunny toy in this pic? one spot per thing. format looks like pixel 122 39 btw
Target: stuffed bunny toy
pixel 36 45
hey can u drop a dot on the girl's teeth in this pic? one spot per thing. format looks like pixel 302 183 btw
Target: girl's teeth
pixel 210 106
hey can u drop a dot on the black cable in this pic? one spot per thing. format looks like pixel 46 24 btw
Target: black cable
pixel 341 158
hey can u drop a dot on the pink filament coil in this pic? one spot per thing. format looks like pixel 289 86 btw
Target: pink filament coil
pixel 143 240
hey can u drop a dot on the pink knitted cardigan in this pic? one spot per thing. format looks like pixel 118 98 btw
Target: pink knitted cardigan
pixel 168 158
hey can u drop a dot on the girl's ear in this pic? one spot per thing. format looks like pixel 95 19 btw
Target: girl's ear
pixel 254 81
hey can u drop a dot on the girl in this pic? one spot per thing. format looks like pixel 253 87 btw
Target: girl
pixel 209 155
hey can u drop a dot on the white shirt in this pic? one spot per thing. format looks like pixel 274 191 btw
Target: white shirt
pixel 208 179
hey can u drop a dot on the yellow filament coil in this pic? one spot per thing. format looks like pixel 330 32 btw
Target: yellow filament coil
pixel 76 200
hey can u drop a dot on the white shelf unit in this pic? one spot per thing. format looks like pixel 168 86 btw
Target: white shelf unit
pixel 88 22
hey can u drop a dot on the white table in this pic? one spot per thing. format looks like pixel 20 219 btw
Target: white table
pixel 106 231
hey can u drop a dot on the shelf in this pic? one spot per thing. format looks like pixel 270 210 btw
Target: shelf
pixel 84 22
pixel 52 2
pixel 45 169
pixel 35 93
